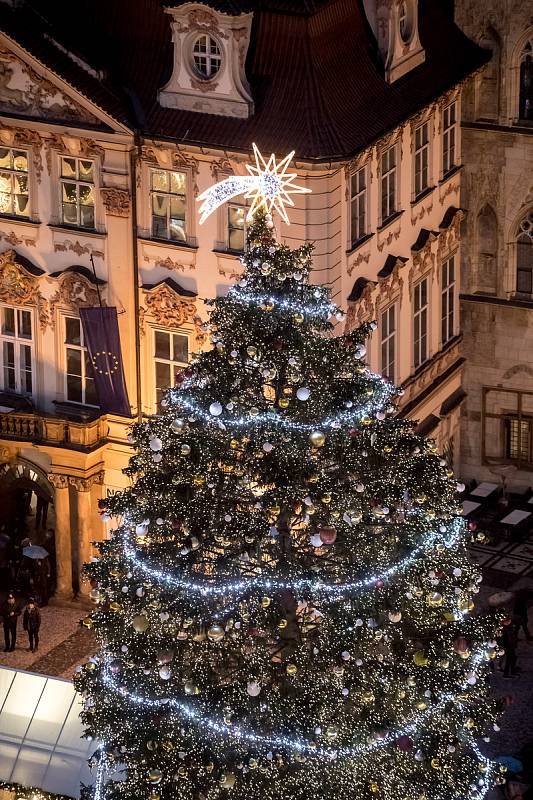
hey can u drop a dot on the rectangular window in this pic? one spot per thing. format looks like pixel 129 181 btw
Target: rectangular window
pixel 421 158
pixel 447 318
pixel 79 375
pixel 77 192
pixel 171 352
pixel 16 350
pixel 420 336
pixel 448 138
pixel 388 184
pixel 358 205
pixel 237 211
pixel 518 438
pixel 388 343
pixel 168 205
pixel 14 191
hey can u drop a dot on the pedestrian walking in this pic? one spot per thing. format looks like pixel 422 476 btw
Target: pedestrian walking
pixel 509 643
pixel 9 615
pixel 520 612
pixel 31 622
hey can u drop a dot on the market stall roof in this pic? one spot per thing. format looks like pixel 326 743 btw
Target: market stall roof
pixel 40 733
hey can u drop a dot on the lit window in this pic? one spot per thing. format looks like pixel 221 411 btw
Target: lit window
pixel 421 158
pixel 77 192
pixel 388 343
pixel 168 205
pixel 171 352
pixel 518 438
pixel 525 112
pixel 17 350
pixel 14 193
pixel 79 376
pixel 420 323
pixel 206 57
pixel 237 211
pixel 449 122
pixel 388 184
pixel 358 203
pixel 448 300
pixel 524 256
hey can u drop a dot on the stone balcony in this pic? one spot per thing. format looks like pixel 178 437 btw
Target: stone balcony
pixel 36 428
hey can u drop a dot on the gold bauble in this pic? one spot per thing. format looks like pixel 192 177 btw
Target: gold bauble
pixel 282 624
pixel 254 411
pixel 253 763
pixel 167 746
pixel 298 318
pixel 251 351
pixel 434 599
pixel 283 402
pixel 317 438
pixel 292 669
pixel 469 723
pixel 421 705
pixel 331 732
pixel 435 763
pixel 326 498
pixel 185 450
pixel 366 421
pixel 227 780
pixel 178 425
pixel 420 659
pixel 191 688
pixel 287 391
pixel 182 772
pixel 216 633
pixel 367 696
pixel 87 623
pixel 198 480
pixel 140 623
pixel 115 607
pixel 465 605
pixel 265 602
pixel 155 776
pixel 374 788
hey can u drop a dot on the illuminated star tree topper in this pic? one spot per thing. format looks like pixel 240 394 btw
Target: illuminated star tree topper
pixel 268 185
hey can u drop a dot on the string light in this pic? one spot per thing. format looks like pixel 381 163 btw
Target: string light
pixel 316 310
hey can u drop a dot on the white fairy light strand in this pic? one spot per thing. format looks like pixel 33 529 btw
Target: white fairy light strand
pixel 309 584
pixel 320 309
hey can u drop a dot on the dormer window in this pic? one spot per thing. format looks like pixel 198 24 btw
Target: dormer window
pixel 403 21
pixel 206 57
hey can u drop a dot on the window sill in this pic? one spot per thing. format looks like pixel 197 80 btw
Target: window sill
pixel 422 196
pixel 359 243
pixel 168 243
pixel 225 251
pixel 78 229
pixel 390 220
pixel 20 220
pixel 453 171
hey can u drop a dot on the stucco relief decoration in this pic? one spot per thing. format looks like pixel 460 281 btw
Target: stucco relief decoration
pixel 77 248
pixel 203 21
pixel 221 166
pixel 116 201
pixel 435 368
pixel 200 331
pixel 14 240
pixel 425 115
pixel 392 234
pixel 74 292
pixel 24 91
pixel 83 148
pixel 362 310
pixel 392 286
pixel 181 160
pixel 18 287
pixel 450 236
pixel 25 139
pixel 353 165
pixel 361 258
pixel 166 307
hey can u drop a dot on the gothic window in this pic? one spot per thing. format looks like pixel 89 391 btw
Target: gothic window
pixel 525 111
pixel 524 256
pixel 487 246
pixel 488 89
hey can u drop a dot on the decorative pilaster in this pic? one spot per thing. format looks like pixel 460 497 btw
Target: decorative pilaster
pixel 62 535
pixel 83 534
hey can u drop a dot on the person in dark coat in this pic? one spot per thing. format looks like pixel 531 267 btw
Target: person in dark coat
pixel 520 612
pixel 10 613
pixel 31 623
pixel 509 643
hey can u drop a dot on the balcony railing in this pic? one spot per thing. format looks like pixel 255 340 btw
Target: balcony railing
pixel 35 428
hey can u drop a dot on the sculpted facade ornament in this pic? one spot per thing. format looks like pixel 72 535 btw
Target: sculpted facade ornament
pixel 70 145
pixel 167 308
pixel 361 310
pixel 116 201
pixel 58 481
pixel 74 292
pixel 76 247
pixel 14 240
pixel 435 367
pixel 24 91
pixel 168 263
pixel 19 287
pixel 28 140
pixel 86 484
pixel 423 261
pixel 385 238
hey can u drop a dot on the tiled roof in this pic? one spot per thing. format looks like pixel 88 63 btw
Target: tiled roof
pixel 316 77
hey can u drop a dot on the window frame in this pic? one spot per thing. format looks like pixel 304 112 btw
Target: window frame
pixel 232 204
pixel 419 315
pixel 449 138
pixel 385 177
pixel 448 291
pixel 196 71
pixel 421 152
pixel 18 341
pixel 82 348
pixel 170 332
pixel 385 342
pixel 360 199
pixel 522 420
pixel 169 195
pixel 524 233
pixel 526 52
pixel 78 182
pixel 13 172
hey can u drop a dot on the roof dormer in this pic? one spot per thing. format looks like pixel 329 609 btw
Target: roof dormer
pixel 395 25
pixel 208 73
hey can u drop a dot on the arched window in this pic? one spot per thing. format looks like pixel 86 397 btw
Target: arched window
pixel 524 256
pixel 488 88
pixel 487 249
pixel 525 110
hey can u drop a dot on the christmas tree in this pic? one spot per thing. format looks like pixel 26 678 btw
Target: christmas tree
pixel 284 608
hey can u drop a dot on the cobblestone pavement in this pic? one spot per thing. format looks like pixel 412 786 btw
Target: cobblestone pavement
pixel 63 644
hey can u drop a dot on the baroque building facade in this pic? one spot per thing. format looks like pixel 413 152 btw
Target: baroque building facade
pixel 106 141
pixel 497 251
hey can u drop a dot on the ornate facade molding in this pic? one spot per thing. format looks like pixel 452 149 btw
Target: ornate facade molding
pixel 14 240
pixel 423 262
pixel 361 258
pixel 77 248
pixel 19 287
pixel 357 162
pixel 58 481
pixel 450 237
pixel 166 307
pixel 426 377
pixel 86 484
pixel 385 238
pixel 168 263
pixel 391 288
pixel 70 145
pixel 26 139
pixel 220 166
pixel 203 21
pixel 116 201
pixel 74 292
pixel 362 310
pixel 181 160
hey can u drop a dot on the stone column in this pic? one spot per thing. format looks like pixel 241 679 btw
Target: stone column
pixel 62 535
pixel 84 533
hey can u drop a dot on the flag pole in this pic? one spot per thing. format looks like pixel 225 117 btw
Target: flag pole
pixel 96 280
